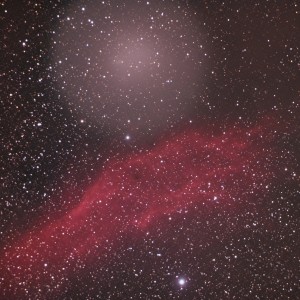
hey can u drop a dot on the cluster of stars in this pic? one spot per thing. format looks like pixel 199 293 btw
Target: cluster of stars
pixel 149 149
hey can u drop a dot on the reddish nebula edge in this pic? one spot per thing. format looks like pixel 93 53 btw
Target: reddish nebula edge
pixel 133 192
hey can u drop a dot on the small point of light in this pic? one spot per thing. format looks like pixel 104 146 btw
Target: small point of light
pixel 127 137
pixel 181 281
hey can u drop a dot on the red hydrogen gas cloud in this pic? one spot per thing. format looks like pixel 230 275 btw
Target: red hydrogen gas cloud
pixel 133 192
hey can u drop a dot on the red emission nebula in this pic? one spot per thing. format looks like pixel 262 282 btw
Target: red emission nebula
pixel 133 193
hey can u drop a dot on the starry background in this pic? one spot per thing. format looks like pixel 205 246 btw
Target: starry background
pixel 149 149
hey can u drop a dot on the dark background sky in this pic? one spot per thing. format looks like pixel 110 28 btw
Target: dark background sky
pixel 244 64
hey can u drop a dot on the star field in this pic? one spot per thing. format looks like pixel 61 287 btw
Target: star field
pixel 149 150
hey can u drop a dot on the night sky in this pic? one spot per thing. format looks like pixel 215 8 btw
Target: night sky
pixel 150 149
